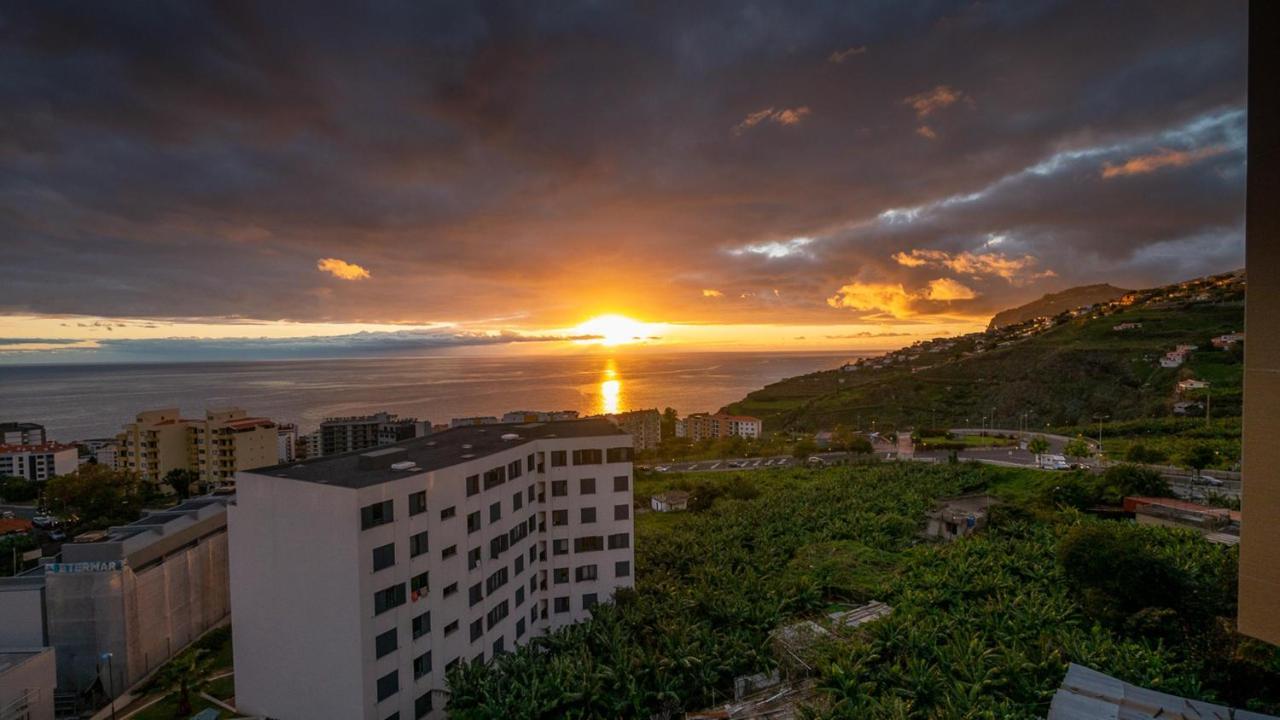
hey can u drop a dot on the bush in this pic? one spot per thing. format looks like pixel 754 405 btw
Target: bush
pixel 1122 480
pixel 16 489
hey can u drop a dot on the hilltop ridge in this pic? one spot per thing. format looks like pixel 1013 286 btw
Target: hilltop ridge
pixel 1051 304
pixel 1059 370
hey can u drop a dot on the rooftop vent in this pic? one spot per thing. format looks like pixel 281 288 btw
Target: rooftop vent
pixel 380 459
pixel 466 446
pixel 510 436
pixel 468 456
pixel 404 465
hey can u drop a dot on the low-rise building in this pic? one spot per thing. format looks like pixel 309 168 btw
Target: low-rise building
pixel 22 433
pixel 1224 342
pixel 102 451
pixel 670 501
pixel 473 421
pixel 38 463
pixel 27 681
pixel 140 592
pixel 703 426
pixel 959 516
pixel 1191 384
pixel 357 580
pixel 1172 512
pixel 361 432
pixel 288 443
pixel 1126 326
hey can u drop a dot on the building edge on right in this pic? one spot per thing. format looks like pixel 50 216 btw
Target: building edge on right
pixel 1260 493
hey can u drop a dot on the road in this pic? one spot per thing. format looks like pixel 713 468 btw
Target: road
pixel 22 511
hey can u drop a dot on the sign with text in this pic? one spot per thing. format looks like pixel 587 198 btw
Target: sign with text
pixel 85 567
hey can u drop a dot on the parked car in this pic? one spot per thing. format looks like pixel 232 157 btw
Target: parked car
pixel 1210 481
pixel 44 521
pixel 57 536
pixel 6 515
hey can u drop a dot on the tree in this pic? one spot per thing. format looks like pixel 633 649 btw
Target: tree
pixel 16 489
pixel 1123 480
pixel 1038 445
pixel 1077 448
pixel 182 481
pixel 803 448
pixel 667 429
pixel 186 674
pixel 96 497
pixel 1198 457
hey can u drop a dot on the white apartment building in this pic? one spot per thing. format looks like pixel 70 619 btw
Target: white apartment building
pixel 38 463
pixel 22 433
pixel 358 579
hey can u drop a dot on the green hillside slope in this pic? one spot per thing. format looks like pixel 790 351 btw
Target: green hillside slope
pixel 1057 371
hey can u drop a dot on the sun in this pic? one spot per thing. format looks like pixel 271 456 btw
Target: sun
pixel 614 330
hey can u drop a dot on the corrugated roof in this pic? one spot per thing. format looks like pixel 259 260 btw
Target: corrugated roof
pixel 1087 694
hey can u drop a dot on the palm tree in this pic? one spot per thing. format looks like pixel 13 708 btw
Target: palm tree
pixel 186 674
pixel 1038 445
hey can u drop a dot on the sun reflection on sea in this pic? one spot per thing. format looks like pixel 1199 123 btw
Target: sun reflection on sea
pixel 610 389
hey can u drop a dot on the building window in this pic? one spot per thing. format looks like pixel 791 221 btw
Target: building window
pixel 422 625
pixel 529 463
pixel 590 456
pixel 498 545
pixel 422 705
pixel 519 564
pixel 393 716
pixel 514 470
pixel 451 664
pixel 388 598
pixel 384 556
pixel 591 543
pixel 418 502
pixel 621 512
pixel 587 486
pixel 529 494
pixel 495 512
pixel 419 584
pixel 585 573
pixel 622 568
pixel 385 643
pixel 497 614
pixel 560 576
pixel 473 485
pixel 620 454
pixel 477 629
pixel 621 483
pixel 619 541
pixel 560 546
pixel 588 515
pixel 559 488
pixel 448 552
pixel 475 594
pixel 562 605
pixel 422 665
pixel 495 580
pixel 498 648
pixel 519 596
pixel 473 522
pixel 495 477
pixel 589 601
pixel 533 553
pixel 417 544
pixel 473 558
pixel 451 628
pixel 388 685
pixel 448 512
pixel 559 517
pixel 450 589
pixel 517 502
pixel 379 513
pixel 519 628
pixel 559 458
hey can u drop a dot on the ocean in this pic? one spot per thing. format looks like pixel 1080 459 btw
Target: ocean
pixel 83 401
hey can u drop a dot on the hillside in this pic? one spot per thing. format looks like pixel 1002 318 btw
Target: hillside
pixel 1054 303
pixel 1056 372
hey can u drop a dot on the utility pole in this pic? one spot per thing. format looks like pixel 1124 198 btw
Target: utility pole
pixel 1208 402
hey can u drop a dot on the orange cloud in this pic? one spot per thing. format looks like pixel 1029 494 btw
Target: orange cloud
pixel 1013 269
pixel 840 56
pixel 895 300
pixel 785 116
pixel 712 293
pixel 929 101
pixel 926 132
pixel 342 269
pixel 948 289
pixel 1162 158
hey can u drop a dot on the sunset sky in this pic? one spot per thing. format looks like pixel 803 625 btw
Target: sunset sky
pixel 242 180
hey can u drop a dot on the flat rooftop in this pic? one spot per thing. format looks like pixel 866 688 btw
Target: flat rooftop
pixel 433 452
pixel 10 659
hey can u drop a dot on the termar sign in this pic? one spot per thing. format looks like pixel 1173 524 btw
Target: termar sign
pixel 85 567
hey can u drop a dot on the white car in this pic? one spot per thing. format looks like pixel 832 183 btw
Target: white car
pixel 43 521
pixel 1211 481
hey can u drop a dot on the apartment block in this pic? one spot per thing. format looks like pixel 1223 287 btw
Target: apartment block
pixel 528 416
pixel 225 441
pixel 703 426
pixel 141 592
pixel 22 433
pixel 38 463
pixel 361 432
pixel 358 579
pixel 643 425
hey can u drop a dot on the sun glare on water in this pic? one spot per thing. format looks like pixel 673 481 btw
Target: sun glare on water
pixel 613 330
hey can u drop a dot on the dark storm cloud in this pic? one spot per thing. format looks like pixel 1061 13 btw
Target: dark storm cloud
pixel 198 160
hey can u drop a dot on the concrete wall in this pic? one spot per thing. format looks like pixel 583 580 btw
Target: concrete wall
pixel 27 683
pixel 1260 489
pixel 21 613
pixel 295 599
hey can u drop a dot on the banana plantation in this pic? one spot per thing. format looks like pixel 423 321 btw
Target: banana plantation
pixel 981 628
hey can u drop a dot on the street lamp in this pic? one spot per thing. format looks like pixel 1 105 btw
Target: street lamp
pixel 111 682
pixel 1100 417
